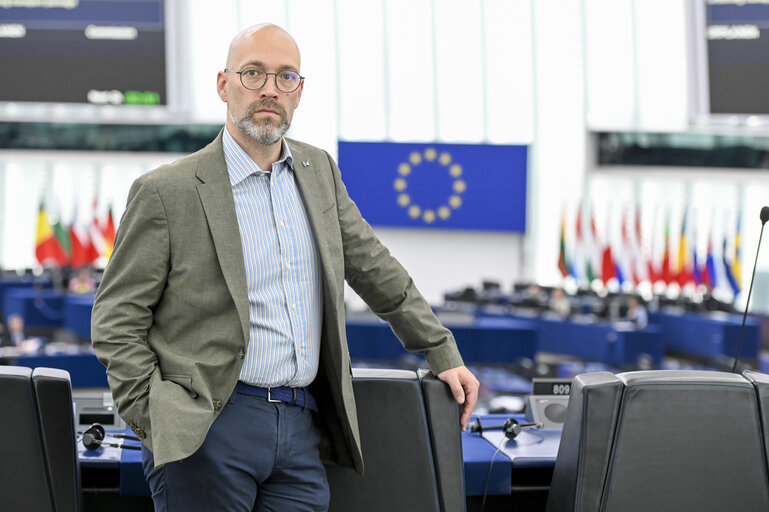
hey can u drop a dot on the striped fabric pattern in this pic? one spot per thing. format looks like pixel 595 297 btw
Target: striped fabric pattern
pixel 282 271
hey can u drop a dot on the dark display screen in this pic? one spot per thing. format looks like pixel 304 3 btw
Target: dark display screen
pixel 557 387
pixel 103 52
pixel 737 34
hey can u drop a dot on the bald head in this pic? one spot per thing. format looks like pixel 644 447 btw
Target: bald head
pixel 266 37
pixel 258 115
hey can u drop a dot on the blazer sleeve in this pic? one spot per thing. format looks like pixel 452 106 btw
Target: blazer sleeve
pixel 387 288
pixel 132 284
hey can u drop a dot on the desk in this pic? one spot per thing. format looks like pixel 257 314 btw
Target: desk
pixel 505 340
pixel 112 469
pixel 38 307
pixel 530 451
pixel 77 314
pixel 613 344
pixel 84 369
pixel 708 335
pixel 14 281
pixel 108 468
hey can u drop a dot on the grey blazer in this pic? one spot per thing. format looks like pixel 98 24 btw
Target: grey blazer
pixel 170 321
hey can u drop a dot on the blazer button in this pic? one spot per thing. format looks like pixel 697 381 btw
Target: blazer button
pixel 217 404
pixel 242 354
pixel 136 429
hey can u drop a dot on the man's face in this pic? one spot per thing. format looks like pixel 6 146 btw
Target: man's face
pixel 265 114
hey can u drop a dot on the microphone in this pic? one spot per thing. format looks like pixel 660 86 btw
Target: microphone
pixel 764 216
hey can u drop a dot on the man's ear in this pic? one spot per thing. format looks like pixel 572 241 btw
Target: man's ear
pixel 221 85
pixel 299 93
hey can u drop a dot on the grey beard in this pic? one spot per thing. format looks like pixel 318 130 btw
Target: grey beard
pixel 263 133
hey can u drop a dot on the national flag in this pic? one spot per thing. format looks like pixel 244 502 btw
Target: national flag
pixel 608 266
pixel 709 274
pixel 48 250
pixel 666 274
pixel 563 263
pixel 733 269
pixel 626 259
pixel 593 252
pixel 62 236
pixel 579 249
pixel 82 250
pixel 684 271
pixel 640 266
pixel 737 255
pixel 447 186
pixel 96 234
pixel 696 270
pixel 728 271
pixel 108 232
pixel 608 270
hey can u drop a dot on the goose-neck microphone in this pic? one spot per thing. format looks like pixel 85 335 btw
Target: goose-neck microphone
pixel 764 217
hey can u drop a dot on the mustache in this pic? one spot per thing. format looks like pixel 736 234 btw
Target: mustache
pixel 266 104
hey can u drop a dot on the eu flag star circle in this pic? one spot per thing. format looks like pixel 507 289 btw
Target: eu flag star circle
pixel 418 208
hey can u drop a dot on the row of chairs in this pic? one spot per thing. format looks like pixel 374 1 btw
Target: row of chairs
pixel 664 441
pixel 409 431
pixel 39 469
pixel 637 441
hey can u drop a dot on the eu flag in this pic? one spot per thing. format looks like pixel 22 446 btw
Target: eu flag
pixel 449 186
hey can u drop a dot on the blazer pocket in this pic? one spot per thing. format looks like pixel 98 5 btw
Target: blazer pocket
pixel 184 381
pixel 329 207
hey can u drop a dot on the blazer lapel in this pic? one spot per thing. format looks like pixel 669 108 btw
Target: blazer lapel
pixel 215 193
pixel 307 173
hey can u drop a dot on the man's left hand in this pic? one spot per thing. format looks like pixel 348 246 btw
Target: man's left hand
pixel 464 386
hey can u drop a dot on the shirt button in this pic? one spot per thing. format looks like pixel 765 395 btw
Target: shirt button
pixel 281 224
pixel 288 266
pixel 293 306
pixel 241 354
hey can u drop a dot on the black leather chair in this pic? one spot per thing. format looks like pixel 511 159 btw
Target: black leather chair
pixel 53 393
pixel 24 481
pixel 411 444
pixel 446 440
pixel 664 441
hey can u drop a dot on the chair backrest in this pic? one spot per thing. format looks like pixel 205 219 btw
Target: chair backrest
pixel 57 425
pixel 443 414
pixel 23 473
pixel 399 435
pixel 663 440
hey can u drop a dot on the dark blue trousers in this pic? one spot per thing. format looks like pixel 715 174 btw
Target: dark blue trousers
pixel 258 456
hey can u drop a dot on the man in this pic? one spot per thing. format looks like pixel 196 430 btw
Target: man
pixel 220 317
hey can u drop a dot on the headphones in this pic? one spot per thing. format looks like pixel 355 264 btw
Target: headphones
pixel 511 427
pixel 93 438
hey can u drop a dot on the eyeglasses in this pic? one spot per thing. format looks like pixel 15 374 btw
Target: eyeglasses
pixel 255 78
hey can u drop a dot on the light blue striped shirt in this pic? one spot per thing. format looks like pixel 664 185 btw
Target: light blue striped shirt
pixel 282 271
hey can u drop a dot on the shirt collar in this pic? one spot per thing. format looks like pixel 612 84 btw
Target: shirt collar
pixel 239 164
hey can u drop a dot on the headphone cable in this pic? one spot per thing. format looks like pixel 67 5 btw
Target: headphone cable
pixel 488 475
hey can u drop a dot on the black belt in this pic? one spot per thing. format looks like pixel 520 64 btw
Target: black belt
pixel 294 396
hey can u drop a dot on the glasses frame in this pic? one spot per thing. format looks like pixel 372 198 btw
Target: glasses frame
pixel 266 77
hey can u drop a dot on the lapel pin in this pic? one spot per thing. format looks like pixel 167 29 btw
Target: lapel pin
pixel 306 163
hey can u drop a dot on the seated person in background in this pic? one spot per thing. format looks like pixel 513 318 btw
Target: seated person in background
pixel 82 282
pixel 15 335
pixel 559 303
pixel 636 313
pixel 5 338
pixel 533 297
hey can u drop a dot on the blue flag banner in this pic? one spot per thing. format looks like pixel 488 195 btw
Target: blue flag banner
pixel 444 186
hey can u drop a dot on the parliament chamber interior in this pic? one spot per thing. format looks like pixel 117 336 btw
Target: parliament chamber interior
pixel 579 198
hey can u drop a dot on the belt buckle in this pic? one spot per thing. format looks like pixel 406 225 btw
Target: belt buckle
pixel 269 396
